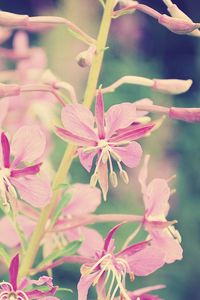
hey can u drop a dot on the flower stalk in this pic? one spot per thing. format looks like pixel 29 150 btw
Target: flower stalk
pixel 71 149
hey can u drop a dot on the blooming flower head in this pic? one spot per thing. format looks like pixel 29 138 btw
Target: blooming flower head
pixel 27 146
pixel 68 227
pixel 13 291
pixel 156 200
pixel 139 259
pixel 112 138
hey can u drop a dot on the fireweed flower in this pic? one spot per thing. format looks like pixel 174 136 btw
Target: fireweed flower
pixel 28 145
pixel 106 266
pixel 156 200
pixel 112 138
pixel 84 200
pixel 12 291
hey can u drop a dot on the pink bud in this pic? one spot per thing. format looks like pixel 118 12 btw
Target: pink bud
pixel 84 59
pixel 171 86
pixel 13 20
pixel 9 90
pixel 185 114
pixel 176 25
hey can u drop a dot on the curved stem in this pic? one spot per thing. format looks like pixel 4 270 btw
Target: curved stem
pixel 71 149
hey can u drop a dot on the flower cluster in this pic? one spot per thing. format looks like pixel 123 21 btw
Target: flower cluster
pixel 45 216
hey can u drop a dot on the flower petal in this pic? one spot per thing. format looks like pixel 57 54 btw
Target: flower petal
pixel 130 154
pixel 119 116
pixel 5 150
pixel 85 199
pixel 87 248
pixel 146 261
pixel 156 199
pixel 31 170
pixel 8 235
pixel 28 144
pixel 33 189
pixel 171 247
pixel 13 271
pixel 99 115
pixel 86 159
pixel 84 284
pixel 109 236
pixel 78 120
pixel 143 174
pixel 78 140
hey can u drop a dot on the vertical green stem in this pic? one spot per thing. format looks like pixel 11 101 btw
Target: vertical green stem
pixel 71 149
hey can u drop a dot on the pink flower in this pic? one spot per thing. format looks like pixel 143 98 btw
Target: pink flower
pixel 140 259
pixel 113 138
pixel 28 145
pixel 11 290
pixel 156 200
pixel 84 201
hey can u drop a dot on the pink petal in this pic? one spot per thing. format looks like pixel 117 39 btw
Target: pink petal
pixel 109 236
pixel 33 189
pixel 131 133
pixel 21 44
pixel 28 144
pixel 131 250
pixel 84 284
pixel 5 150
pixel 156 198
pixel 143 174
pixel 87 248
pixel 31 170
pixel 78 120
pixel 103 178
pixel 147 289
pixel 85 199
pixel 170 246
pixel 146 261
pixel 86 159
pixel 8 235
pixel 130 155
pixel 78 140
pixel 99 115
pixel 119 116
pixel 13 271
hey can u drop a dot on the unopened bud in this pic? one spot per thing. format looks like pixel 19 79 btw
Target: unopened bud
pixel 124 176
pixel 172 86
pixel 93 180
pixel 176 25
pixel 127 3
pixel 9 90
pixel 84 59
pixel 113 179
pixel 13 20
pixel 191 115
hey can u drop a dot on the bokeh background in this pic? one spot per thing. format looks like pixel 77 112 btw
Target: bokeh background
pixel 137 46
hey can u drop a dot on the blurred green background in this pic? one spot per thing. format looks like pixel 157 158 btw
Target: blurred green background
pixel 137 46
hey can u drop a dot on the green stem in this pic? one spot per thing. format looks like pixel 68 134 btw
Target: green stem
pixel 71 149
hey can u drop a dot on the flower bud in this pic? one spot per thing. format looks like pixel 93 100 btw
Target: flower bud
pixel 172 86
pixel 13 20
pixel 127 3
pixel 176 25
pixel 9 90
pixel 84 59
pixel 191 115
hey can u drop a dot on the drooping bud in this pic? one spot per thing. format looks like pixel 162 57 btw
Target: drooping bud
pixel 124 176
pixel 84 59
pixel 191 115
pixel 13 20
pixel 176 12
pixel 176 25
pixel 113 179
pixel 9 90
pixel 172 86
